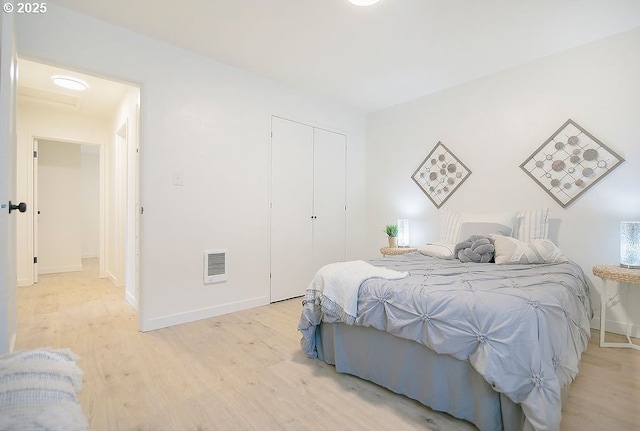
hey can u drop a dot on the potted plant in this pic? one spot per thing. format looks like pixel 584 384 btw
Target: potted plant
pixel 392 233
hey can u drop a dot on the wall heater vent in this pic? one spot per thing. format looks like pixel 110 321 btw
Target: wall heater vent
pixel 215 266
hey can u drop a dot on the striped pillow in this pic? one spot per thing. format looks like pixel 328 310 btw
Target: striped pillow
pixel 531 225
pixel 449 227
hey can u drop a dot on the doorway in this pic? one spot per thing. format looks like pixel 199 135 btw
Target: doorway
pixel 66 205
pixel 97 131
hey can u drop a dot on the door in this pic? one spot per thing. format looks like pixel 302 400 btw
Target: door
pixel 8 144
pixel 60 207
pixel 291 208
pixel 329 197
pixel 308 195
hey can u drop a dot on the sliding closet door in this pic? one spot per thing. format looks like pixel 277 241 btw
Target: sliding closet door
pixel 329 197
pixel 291 208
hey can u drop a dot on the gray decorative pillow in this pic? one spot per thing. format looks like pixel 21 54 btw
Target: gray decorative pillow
pixel 38 391
pixel 477 249
pixel 457 227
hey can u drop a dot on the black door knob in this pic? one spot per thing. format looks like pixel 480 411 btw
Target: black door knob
pixel 22 207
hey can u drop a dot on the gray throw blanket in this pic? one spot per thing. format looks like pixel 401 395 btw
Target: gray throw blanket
pixel 477 248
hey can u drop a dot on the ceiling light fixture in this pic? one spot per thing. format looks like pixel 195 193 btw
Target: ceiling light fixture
pixel 70 83
pixel 363 2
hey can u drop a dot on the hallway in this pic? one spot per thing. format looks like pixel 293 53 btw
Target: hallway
pixel 54 311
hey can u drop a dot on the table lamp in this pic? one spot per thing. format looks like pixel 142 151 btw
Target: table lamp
pixel 630 244
pixel 403 232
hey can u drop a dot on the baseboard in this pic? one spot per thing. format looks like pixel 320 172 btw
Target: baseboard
pixel 131 300
pixel 202 313
pixel 89 256
pixel 58 269
pixel 114 279
pixel 616 327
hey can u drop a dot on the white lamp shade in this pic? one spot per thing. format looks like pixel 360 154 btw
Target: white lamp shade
pixel 403 232
pixel 630 244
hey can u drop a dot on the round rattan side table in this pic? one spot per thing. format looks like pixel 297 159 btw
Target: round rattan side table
pixel 625 276
pixel 394 251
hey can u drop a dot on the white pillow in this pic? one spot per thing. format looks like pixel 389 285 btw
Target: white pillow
pixel 440 250
pixel 510 250
pixel 532 224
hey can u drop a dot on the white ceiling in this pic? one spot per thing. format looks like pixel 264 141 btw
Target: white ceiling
pixel 36 88
pixel 370 57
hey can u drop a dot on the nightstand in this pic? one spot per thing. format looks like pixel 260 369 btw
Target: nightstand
pixel 394 251
pixel 626 277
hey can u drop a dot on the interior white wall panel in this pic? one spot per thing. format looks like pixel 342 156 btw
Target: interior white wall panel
pixel 90 210
pixel 211 122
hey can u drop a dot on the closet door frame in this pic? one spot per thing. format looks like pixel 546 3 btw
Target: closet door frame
pixel 301 239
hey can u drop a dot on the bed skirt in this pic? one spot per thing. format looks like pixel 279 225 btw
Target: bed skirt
pixel 440 382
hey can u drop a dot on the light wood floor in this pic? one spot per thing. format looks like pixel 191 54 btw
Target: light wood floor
pixel 245 371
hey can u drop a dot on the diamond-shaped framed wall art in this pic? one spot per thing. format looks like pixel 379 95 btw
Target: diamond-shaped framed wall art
pixel 440 174
pixel 570 162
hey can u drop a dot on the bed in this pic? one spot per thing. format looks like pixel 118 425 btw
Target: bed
pixel 494 344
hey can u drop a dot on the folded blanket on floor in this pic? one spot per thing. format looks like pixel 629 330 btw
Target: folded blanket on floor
pixel 38 391
pixel 339 283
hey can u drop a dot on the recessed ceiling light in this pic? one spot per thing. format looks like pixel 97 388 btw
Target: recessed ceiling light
pixel 70 83
pixel 363 2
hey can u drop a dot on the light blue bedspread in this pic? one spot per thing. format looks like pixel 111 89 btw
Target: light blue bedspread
pixel 522 327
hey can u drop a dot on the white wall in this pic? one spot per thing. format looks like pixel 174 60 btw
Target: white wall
pixel 210 122
pixel 59 207
pixel 37 122
pixel 493 124
pixel 90 192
